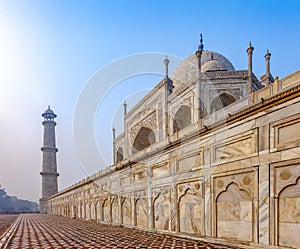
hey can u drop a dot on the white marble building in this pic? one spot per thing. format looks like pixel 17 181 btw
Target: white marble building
pixel 213 154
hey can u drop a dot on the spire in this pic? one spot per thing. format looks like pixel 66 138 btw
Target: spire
pixel 166 61
pixel 125 108
pixel 199 86
pixel 199 51
pixel 267 57
pixel 201 46
pixel 114 133
pixel 249 52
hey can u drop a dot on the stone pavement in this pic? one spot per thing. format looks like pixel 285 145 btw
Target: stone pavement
pixel 5 221
pixel 45 231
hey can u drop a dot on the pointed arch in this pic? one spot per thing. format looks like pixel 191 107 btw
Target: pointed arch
pixel 143 139
pixel 191 216
pixel 141 212
pixel 288 215
pixel 182 118
pixel 221 101
pixel 234 211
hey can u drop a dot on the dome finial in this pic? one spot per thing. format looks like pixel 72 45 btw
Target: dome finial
pixel 212 56
pixel 201 46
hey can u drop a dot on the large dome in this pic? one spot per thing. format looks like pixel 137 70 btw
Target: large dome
pixel 186 72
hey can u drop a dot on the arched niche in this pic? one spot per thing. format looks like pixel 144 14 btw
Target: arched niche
pixel 143 139
pixel 289 216
pixel 126 210
pixel 141 212
pixel 190 211
pixel 161 212
pixel 182 118
pixel 115 210
pixel 105 210
pixel 120 156
pixel 234 214
pixel 221 101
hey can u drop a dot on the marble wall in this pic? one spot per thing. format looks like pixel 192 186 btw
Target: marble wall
pixel 236 180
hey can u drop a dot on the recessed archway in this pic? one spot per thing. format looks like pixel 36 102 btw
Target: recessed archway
pixel 288 216
pixel 221 101
pixel 143 140
pixel 182 118
pixel 234 214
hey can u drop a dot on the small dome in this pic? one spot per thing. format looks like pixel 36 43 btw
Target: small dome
pixel 49 111
pixel 49 114
pixel 214 65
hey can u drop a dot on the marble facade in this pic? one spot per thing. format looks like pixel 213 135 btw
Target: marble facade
pixel 233 175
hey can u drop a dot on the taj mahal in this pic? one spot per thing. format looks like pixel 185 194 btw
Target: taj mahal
pixel 210 152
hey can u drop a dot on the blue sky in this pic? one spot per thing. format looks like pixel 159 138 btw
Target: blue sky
pixel 49 49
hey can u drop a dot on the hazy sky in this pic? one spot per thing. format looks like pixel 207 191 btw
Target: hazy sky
pixel 49 49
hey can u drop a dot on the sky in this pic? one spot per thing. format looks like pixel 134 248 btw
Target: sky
pixel 51 49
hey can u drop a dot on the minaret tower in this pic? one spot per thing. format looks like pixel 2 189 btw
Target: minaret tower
pixel 199 86
pixel 49 168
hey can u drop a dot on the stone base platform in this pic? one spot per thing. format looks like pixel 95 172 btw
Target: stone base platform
pixel 45 231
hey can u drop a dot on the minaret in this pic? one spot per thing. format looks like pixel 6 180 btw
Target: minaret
pixel 49 168
pixel 250 78
pixel 199 86
pixel 114 138
pixel 268 73
pixel 125 108
pixel 169 82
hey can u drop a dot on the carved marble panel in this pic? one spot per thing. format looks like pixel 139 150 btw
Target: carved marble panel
pixel 93 211
pixel 141 209
pixel 286 185
pixel 234 214
pixel 285 133
pixel 236 92
pixel 235 202
pixel 191 207
pixel 289 216
pixel 236 147
pixel 126 209
pixel 161 208
pixel 114 183
pixel 190 161
pixel 160 170
pixel 105 210
pixel 115 209
pixel 140 175
pixel 125 180
pixel 98 211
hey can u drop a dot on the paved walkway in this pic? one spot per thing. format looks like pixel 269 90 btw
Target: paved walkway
pixel 5 221
pixel 45 231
